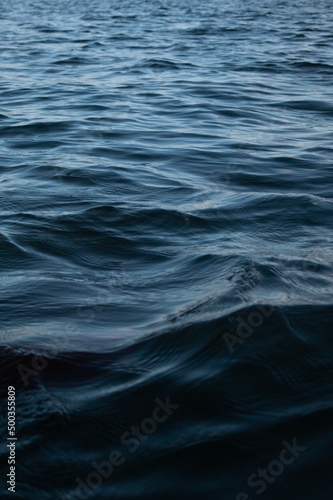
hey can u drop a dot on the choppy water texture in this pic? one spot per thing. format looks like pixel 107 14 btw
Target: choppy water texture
pixel 166 172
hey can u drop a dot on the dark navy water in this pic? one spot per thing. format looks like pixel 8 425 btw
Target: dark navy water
pixel 166 232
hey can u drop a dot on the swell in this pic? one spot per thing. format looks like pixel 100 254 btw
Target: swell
pixel 166 216
pixel 231 404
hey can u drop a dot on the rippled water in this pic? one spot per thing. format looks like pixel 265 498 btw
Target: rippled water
pixel 166 231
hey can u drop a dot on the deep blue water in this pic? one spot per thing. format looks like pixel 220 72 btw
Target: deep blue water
pixel 166 206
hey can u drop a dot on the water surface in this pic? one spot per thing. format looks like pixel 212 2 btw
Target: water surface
pixel 166 170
